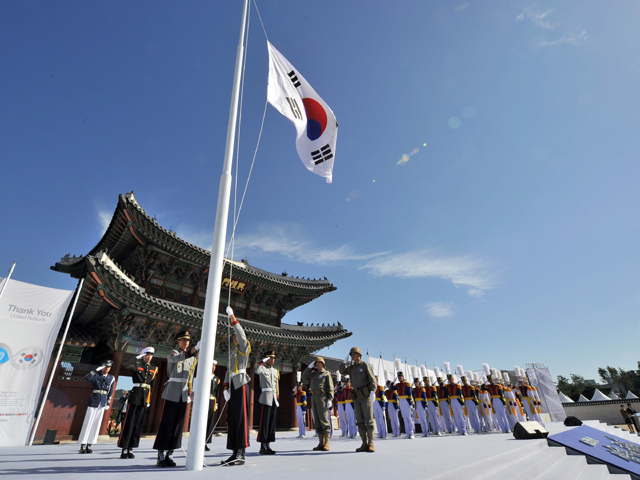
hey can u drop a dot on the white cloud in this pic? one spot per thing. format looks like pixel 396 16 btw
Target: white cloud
pixel 201 238
pixel 461 7
pixel 104 219
pixel 439 309
pixel 520 17
pixel 540 19
pixel 463 271
pixel 575 39
pixel 288 241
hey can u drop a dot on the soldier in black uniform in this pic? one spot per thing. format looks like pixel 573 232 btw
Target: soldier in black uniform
pixel 143 375
pixel 213 404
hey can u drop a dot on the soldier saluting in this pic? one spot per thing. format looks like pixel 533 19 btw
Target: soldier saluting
pixel 363 383
pixel 321 388
pixel 143 374
pixel 180 364
pixel 269 378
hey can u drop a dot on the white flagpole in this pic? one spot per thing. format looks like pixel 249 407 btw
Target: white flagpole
pixel 202 387
pixel 4 285
pixel 55 365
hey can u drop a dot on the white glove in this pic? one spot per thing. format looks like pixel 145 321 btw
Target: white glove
pixel 229 311
pixel 311 365
pixel 148 404
pixel 197 347
pixel 227 395
pixel 99 368
pixel 188 399
pixel 347 359
pixel 140 356
pixel 329 404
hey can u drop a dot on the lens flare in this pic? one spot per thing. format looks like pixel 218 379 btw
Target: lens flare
pixel 454 122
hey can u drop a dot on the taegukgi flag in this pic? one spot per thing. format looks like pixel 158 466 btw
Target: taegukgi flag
pixel 315 123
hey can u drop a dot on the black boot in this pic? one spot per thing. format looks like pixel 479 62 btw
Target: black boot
pixel 264 449
pixel 169 460
pixel 89 448
pixel 83 448
pixel 230 459
pixel 239 458
pixel 124 453
pixel 270 450
pixel 162 460
pixel 130 454
pixel 206 448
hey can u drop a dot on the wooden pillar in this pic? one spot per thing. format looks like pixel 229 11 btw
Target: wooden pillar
pixel 156 398
pixel 118 356
pixel 251 373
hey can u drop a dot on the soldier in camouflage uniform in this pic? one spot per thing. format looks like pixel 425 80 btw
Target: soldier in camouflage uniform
pixel 363 382
pixel 321 388
pixel 180 364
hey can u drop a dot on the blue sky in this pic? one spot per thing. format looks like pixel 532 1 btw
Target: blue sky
pixel 511 237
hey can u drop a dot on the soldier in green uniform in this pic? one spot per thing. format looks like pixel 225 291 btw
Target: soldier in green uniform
pixel 321 388
pixel 363 382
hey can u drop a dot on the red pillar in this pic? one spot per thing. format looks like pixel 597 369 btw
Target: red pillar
pixel 115 371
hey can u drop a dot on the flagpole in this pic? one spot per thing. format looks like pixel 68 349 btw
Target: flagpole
pixel 202 387
pixel 7 280
pixel 55 365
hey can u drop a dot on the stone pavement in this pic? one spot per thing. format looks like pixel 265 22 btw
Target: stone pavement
pixel 395 457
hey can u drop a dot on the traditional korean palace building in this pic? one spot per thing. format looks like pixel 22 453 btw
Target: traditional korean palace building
pixel 143 284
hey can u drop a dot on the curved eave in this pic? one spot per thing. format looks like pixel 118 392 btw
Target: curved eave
pixel 106 283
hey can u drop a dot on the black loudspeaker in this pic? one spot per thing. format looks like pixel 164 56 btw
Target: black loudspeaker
pixel 527 430
pixel 572 422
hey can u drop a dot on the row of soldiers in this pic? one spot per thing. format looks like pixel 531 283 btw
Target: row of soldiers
pixel 442 408
pixel 480 404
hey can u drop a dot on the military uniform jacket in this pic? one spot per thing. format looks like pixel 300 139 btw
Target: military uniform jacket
pixel 301 399
pixel 269 384
pixel 362 378
pixel 144 375
pixel 238 359
pixel 320 383
pixel 381 398
pixel 180 367
pixel 101 389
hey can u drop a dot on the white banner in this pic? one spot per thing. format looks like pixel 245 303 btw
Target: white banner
pixel 316 125
pixel 30 318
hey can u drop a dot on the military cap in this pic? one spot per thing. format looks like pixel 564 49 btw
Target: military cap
pixel 270 353
pixel 355 350
pixel 321 360
pixel 215 362
pixel 107 363
pixel 183 335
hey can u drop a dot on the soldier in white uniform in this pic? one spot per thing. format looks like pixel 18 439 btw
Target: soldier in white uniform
pixel 180 365
pixel 236 393
pixel 269 386
pixel 100 401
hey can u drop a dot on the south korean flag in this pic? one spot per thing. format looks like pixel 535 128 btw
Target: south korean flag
pixel 316 125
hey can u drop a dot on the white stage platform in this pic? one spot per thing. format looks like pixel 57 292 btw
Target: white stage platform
pixel 492 455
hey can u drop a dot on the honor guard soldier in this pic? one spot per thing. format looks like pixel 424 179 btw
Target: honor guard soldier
pixel 471 402
pixel 213 405
pixel 364 383
pixel 498 402
pixel 433 416
pixel 301 407
pixel 443 399
pixel 510 397
pixel 236 393
pixel 342 414
pixel 321 388
pixel 392 409
pixel 529 397
pixel 176 394
pixel 379 409
pixel 349 412
pixel 269 386
pixel 420 397
pixel 100 400
pixel 456 401
pixel 143 375
pixel 405 402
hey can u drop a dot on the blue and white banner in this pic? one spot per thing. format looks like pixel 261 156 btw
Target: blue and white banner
pixel 316 125
pixel 30 318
